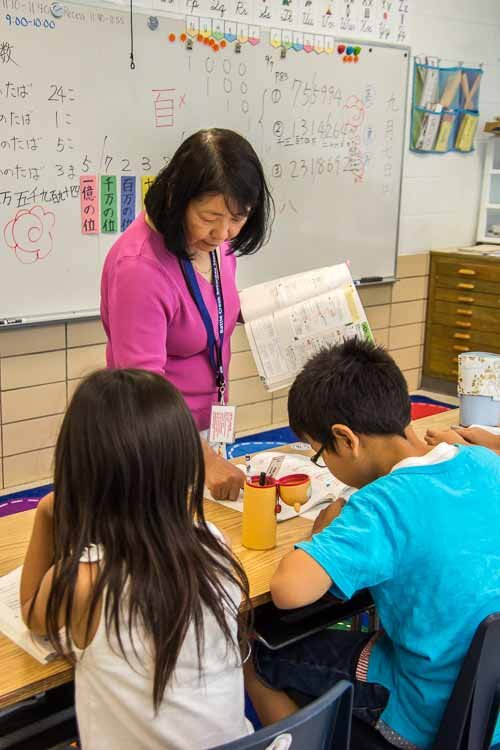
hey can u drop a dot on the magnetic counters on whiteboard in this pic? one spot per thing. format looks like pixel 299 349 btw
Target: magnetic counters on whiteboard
pixel 183 37
pixel 356 58
pixel 223 44
pixel 357 50
pixel 171 37
pixel 153 23
pixel 350 50
pixel 341 49
pixel 57 10
pixel 200 37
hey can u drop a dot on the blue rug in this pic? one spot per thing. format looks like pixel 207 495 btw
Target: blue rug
pixel 260 441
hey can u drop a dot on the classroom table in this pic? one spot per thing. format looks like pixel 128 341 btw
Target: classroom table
pixel 21 676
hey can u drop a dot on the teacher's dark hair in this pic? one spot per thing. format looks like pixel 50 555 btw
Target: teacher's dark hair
pixel 214 161
pixel 129 476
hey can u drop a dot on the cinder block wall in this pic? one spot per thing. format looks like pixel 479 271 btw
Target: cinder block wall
pixel 40 367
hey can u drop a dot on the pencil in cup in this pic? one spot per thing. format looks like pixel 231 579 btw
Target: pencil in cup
pixel 259 513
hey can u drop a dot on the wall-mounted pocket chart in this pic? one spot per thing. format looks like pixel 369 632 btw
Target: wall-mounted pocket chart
pixel 82 136
pixel 445 111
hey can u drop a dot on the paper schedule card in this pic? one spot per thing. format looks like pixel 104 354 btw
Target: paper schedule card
pixel 109 204
pixel 146 181
pixel 127 201
pixel 89 204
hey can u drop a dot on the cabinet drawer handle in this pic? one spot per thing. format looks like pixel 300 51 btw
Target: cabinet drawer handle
pixel 462 298
pixel 461 311
pixel 463 323
pixel 458 348
pixel 463 285
pixel 466 272
pixel 461 335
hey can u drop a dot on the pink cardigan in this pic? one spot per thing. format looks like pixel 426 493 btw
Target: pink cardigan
pixel 152 322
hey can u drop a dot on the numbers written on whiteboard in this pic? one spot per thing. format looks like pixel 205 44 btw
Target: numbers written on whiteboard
pixel 309 169
pixel 113 164
pixel 307 94
pixel 35 23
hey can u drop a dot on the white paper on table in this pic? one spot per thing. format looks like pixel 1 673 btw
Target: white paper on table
pixel 324 486
pixel 11 622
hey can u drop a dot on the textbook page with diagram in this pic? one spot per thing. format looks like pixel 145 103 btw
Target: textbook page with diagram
pixel 290 319
pixel 325 488
pixel 11 622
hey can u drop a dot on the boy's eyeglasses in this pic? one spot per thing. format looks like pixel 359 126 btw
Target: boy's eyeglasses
pixel 318 459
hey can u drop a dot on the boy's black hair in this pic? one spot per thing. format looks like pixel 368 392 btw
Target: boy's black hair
pixel 355 383
pixel 214 161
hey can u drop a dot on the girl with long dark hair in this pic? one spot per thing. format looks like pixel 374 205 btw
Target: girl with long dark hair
pixel 125 575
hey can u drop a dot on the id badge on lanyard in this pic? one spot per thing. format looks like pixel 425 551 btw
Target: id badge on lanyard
pixel 222 416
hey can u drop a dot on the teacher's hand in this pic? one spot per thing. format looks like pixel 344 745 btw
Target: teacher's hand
pixel 223 479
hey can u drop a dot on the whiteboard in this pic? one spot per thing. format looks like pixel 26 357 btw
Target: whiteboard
pixel 330 135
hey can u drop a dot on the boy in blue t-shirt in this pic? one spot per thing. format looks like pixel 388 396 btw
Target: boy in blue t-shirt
pixel 422 533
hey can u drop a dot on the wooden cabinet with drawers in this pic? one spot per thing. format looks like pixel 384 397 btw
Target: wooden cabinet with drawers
pixel 463 314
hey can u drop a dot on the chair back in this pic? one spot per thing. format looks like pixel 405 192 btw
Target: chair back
pixel 324 724
pixel 470 717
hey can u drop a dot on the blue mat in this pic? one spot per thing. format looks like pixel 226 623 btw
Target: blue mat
pixel 259 441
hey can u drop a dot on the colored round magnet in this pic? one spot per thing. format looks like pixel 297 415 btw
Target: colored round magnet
pixel 57 10
pixel 357 50
pixel 350 50
pixel 153 23
pixel 341 49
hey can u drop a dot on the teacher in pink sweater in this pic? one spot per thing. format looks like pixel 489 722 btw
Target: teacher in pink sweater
pixel 169 301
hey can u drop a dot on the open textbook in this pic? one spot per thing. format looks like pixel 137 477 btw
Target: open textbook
pixel 290 319
pixel 11 622
pixel 324 486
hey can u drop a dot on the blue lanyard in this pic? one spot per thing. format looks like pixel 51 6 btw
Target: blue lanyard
pixel 214 346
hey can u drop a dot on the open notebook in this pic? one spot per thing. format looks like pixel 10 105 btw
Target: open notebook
pixel 12 625
pixel 290 319
pixel 324 486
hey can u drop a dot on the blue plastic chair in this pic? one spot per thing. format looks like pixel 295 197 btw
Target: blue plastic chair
pixel 470 716
pixel 324 724
pixel 469 720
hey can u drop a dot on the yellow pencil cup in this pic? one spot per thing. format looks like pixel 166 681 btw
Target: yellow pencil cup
pixel 259 514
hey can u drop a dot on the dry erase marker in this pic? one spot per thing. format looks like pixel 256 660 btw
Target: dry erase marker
pixel 11 321
pixel 262 479
pixel 369 279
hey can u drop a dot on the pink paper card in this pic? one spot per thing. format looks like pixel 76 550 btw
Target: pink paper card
pixel 89 204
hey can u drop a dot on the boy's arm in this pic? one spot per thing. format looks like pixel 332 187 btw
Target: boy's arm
pixel 298 581
pixel 38 566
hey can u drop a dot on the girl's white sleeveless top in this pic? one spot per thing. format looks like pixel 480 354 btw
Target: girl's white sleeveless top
pixel 199 710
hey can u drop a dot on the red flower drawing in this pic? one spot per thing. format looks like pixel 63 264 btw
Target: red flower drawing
pixel 29 234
